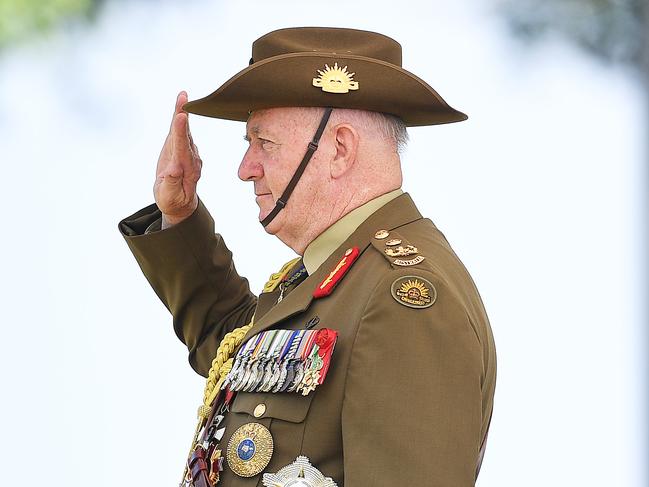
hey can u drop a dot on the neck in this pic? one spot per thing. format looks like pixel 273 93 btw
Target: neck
pixel 330 214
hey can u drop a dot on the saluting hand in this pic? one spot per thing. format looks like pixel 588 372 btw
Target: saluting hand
pixel 179 169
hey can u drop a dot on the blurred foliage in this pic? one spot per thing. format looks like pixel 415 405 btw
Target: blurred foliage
pixel 20 19
pixel 614 30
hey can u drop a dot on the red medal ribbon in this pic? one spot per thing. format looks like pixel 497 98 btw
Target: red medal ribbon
pixel 326 340
pixel 326 287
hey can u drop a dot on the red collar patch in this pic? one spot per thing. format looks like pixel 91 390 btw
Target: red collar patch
pixel 326 287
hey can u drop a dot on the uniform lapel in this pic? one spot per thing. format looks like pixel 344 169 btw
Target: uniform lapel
pixel 400 211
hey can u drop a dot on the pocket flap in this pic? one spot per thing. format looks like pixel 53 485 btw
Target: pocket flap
pixel 287 406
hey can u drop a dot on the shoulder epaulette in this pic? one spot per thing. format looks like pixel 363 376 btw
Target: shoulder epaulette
pixel 396 249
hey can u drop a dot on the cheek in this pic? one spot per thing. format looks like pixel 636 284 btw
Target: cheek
pixel 277 171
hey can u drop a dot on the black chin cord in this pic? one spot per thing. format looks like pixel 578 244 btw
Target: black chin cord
pixel 313 146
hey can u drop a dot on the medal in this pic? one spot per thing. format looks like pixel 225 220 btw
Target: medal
pixel 290 354
pixel 251 368
pixel 290 375
pixel 283 361
pixel 250 449
pixel 243 372
pixel 300 473
pixel 273 354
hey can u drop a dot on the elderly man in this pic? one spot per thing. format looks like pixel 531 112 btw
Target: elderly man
pixel 369 361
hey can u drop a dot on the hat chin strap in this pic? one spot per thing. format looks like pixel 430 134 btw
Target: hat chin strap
pixel 312 147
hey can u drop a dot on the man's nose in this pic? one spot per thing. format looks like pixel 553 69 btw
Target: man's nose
pixel 250 169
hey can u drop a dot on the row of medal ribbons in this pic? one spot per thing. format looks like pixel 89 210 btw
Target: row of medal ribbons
pixel 282 361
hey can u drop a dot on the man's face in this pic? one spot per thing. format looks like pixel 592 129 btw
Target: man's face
pixel 278 139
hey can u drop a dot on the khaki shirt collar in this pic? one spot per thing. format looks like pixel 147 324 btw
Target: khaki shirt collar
pixel 328 241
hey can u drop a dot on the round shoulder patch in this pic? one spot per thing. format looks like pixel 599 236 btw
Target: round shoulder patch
pixel 414 292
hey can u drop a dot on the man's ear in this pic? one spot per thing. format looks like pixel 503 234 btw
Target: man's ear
pixel 346 140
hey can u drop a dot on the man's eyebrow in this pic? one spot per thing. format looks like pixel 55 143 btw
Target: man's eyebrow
pixel 258 132
pixel 254 130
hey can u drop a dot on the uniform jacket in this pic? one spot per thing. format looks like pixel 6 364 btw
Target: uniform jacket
pixel 409 394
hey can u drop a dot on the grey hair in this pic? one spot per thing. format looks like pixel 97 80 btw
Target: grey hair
pixel 392 128
pixel 387 126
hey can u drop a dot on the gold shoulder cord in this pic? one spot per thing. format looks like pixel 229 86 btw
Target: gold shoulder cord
pixel 275 279
pixel 222 363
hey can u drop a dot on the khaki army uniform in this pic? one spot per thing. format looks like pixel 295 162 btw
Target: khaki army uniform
pixel 409 393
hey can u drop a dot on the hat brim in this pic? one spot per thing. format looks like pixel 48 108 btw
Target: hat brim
pixel 287 81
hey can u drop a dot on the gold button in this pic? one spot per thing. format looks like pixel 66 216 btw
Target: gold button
pixel 381 234
pixel 260 410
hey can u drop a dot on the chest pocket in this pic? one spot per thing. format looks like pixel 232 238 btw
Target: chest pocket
pixel 284 414
pixel 284 406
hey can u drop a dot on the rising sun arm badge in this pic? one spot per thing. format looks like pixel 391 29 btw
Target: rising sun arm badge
pixel 414 292
pixel 335 80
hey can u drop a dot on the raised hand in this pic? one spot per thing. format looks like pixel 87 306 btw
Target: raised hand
pixel 179 169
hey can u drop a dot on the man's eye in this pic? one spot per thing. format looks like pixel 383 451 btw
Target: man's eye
pixel 267 144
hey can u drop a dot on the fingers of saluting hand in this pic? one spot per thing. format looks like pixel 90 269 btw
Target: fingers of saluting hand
pixel 179 167
pixel 180 136
pixel 184 151
pixel 181 99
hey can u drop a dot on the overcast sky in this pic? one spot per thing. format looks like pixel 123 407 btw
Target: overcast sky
pixel 539 193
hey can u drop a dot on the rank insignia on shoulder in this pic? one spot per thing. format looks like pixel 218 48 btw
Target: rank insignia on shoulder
pixel 397 250
pixel 413 292
pixel 299 473
pixel 401 251
pixel 326 287
pixel 283 361
pixel 406 263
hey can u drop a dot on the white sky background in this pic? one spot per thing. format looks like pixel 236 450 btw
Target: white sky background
pixel 539 193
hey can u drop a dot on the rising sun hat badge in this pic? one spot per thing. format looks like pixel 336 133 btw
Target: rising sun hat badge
pixel 335 80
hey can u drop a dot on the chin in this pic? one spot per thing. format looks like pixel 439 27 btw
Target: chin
pixel 272 227
pixel 263 213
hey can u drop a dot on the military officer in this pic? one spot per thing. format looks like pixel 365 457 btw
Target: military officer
pixel 367 361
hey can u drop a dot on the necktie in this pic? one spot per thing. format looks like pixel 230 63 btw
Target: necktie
pixel 292 280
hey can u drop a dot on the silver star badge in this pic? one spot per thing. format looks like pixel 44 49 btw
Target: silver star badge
pixel 300 473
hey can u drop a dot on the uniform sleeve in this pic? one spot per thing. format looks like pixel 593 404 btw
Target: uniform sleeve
pixel 192 272
pixel 412 404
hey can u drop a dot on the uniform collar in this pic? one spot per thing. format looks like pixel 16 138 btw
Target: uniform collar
pixel 394 214
pixel 328 241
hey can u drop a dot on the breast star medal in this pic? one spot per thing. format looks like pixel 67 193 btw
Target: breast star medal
pixel 335 80
pixel 250 449
pixel 414 292
pixel 300 473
